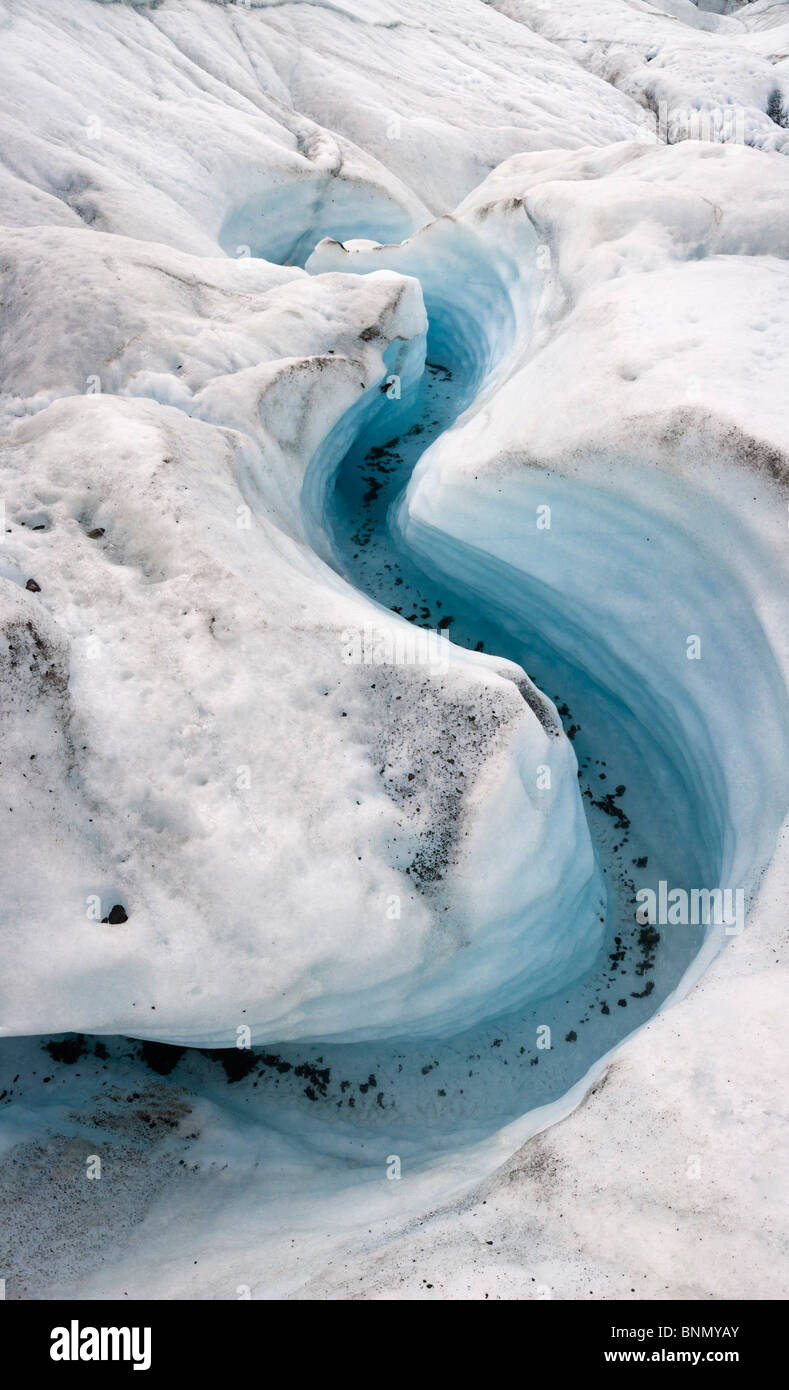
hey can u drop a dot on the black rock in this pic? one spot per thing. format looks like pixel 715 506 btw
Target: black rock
pixel 117 914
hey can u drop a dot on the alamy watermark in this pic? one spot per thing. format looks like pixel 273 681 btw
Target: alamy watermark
pixel 695 907
pixel 717 125
pixel 395 646
pixel 75 1343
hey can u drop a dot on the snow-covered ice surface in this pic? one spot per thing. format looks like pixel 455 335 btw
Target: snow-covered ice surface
pixel 716 71
pixel 359 360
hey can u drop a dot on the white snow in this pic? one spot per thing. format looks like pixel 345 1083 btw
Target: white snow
pixel 699 72
pixel 223 230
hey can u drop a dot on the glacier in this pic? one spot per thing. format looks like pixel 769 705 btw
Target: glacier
pixel 394 516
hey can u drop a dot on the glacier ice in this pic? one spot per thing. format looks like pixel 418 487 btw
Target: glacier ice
pixel 175 586
pixel 350 325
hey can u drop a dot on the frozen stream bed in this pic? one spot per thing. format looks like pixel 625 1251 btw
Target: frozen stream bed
pixel 652 793
pixel 392 578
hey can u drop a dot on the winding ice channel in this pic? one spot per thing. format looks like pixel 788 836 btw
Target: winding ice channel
pixel 588 625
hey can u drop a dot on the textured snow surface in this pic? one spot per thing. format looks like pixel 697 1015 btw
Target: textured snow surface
pixel 225 230
pixel 684 64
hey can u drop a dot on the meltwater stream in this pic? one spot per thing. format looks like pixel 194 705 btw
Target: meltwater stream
pixel 655 806
pixel 432 1093
pixel 491 1073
